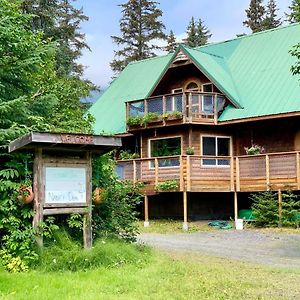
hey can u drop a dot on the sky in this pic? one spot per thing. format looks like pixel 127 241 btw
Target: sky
pixel 224 18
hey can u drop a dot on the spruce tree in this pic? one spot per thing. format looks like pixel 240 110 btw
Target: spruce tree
pixel 192 39
pixel 271 20
pixel 294 15
pixel 171 42
pixel 140 26
pixel 203 33
pixel 255 16
pixel 197 34
pixel 60 21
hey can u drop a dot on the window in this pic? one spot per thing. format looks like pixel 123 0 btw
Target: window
pixel 163 148
pixel 178 90
pixel 208 104
pixel 192 86
pixel 207 88
pixel 174 103
pixel 215 146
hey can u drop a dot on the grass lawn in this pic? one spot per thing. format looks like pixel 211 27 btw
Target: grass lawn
pixel 163 276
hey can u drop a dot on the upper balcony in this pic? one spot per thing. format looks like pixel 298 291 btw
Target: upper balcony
pixel 173 109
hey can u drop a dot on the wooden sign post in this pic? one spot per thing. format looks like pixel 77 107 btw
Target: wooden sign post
pixel 62 174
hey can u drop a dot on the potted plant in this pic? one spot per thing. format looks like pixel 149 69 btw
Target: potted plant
pixel 127 155
pixel 26 194
pixel 98 195
pixel 176 115
pixel 254 149
pixel 190 151
pixel 152 118
pixel 135 121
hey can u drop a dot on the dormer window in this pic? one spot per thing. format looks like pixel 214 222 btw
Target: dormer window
pixel 192 86
pixel 207 88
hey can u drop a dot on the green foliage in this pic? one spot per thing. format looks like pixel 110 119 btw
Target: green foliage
pixel 168 185
pixel 173 115
pixel 65 254
pixel 254 149
pixel 151 116
pixel 12 264
pixel 255 16
pixel 133 121
pixel 140 26
pixel 124 155
pixel 197 34
pixel 271 20
pixel 190 151
pixel 171 43
pixel 294 14
pixel 266 209
pixel 116 216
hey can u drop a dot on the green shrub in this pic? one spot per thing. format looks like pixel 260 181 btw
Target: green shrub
pixel 133 121
pixel 66 254
pixel 151 117
pixel 266 209
pixel 167 185
pixel 124 155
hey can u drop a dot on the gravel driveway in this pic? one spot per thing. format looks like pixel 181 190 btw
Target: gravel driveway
pixel 280 250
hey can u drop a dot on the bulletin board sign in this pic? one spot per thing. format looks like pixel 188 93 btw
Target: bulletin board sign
pixel 65 185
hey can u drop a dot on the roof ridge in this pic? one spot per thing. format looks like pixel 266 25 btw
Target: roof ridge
pixel 248 35
pixel 149 58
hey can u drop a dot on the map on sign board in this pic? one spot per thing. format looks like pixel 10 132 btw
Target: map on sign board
pixel 65 185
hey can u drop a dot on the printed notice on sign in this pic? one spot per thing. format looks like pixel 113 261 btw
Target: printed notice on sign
pixel 65 185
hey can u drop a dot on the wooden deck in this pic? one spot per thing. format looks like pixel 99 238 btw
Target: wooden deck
pixel 242 174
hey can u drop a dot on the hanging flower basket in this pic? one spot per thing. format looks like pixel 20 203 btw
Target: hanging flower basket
pixel 26 194
pixel 98 196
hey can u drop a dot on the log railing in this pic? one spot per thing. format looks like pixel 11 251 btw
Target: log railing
pixel 242 173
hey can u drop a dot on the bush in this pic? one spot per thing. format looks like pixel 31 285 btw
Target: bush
pixel 266 209
pixel 167 185
pixel 66 254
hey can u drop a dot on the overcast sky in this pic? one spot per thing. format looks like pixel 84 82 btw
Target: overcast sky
pixel 224 18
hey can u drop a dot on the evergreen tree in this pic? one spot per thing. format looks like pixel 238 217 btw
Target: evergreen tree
pixel 60 21
pixel 140 26
pixel 197 34
pixel 192 38
pixel 294 15
pixel 171 43
pixel 271 20
pixel 255 16
pixel 203 33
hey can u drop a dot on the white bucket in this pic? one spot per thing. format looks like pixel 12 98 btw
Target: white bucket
pixel 239 224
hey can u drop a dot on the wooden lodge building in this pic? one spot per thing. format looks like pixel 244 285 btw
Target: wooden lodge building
pixel 190 115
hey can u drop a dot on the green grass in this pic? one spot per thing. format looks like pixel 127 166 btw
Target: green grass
pixel 164 276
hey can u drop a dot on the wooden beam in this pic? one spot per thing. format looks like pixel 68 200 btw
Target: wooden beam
pixel 238 183
pixel 182 187
pixel 232 174
pixel 146 211
pixel 215 110
pixel 190 136
pixel 65 210
pixel 156 170
pixel 268 172
pixel 37 189
pixel 235 206
pixel 188 172
pixel 280 208
pixel 134 171
pixel 298 170
pixel 185 212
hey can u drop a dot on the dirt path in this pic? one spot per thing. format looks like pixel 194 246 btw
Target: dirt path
pixel 280 250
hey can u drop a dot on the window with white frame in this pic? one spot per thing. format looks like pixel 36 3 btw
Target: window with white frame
pixel 216 146
pixel 164 147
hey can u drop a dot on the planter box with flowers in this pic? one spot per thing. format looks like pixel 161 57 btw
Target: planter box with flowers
pixel 174 116
pixel 254 150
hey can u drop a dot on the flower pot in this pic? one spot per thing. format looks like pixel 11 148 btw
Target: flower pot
pixel 98 197
pixel 26 194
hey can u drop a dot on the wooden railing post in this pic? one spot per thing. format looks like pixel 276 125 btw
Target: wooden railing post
pixel 156 170
pixel 145 107
pixel 184 107
pixel 134 171
pixel 238 182
pixel 268 172
pixel 298 170
pixel 188 172
pixel 181 174
pixel 232 173
pixel 190 108
pixel 279 208
pixel 215 109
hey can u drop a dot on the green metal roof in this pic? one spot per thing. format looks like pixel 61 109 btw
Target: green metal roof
pixel 253 71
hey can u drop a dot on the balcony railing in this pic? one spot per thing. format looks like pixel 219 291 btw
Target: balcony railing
pixel 186 107
pixel 243 173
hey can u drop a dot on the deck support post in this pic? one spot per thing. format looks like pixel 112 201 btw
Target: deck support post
pixel 146 211
pixel 280 208
pixel 235 206
pixel 185 225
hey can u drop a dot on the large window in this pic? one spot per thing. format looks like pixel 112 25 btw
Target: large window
pixel 164 148
pixel 215 146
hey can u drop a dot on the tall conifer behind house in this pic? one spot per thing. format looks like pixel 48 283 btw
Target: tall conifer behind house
pixel 255 16
pixel 294 15
pixel 171 42
pixel 271 20
pixel 140 27
pixel 197 34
